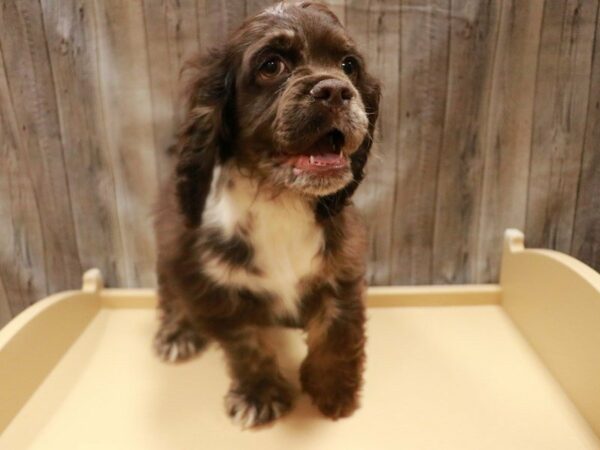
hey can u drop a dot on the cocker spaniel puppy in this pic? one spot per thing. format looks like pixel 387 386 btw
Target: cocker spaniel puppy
pixel 255 228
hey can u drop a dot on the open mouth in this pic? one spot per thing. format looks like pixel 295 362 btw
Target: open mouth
pixel 326 154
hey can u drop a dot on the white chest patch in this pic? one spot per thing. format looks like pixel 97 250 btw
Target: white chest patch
pixel 281 229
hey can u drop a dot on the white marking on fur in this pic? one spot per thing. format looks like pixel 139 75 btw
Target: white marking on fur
pixel 278 9
pixel 284 234
pixel 247 415
pixel 239 415
pixel 174 350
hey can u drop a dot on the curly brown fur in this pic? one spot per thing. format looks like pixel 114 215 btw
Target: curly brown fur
pixel 255 227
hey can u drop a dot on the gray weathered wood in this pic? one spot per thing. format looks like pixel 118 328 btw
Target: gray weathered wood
pixel 561 104
pixel 127 119
pixel 376 29
pixel 508 132
pixel 473 33
pixel 70 38
pixel 22 269
pixel 422 104
pixel 41 158
pixel 235 12
pixel 211 23
pixel 586 234
pixel 5 312
pixel 171 34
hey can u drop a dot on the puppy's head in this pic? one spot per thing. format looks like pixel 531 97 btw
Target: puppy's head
pixel 289 98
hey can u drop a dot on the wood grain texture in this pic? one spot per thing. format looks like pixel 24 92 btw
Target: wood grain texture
pixel 508 133
pixel 22 274
pixel 171 34
pixel 235 13
pixel 211 23
pixel 490 118
pixel 5 312
pixel 70 37
pixel 561 105
pixel 586 233
pixel 473 33
pixel 40 153
pixel 375 26
pixel 127 118
pixel 419 132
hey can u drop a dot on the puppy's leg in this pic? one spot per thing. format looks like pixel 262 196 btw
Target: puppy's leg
pixel 258 393
pixel 332 371
pixel 177 339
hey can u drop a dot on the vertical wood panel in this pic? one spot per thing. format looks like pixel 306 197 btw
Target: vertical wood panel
pixel 5 312
pixel 28 73
pixel 375 26
pixel 22 269
pixel 70 37
pixel 509 129
pixel 235 12
pixel 423 80
pixel 586 235
pixel 171 34
pixel 216 19
pixel 211 23
pixel 473 33
pixel 563 82
pixel 127 119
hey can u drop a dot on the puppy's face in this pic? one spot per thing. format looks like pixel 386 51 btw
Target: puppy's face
pixel 304 106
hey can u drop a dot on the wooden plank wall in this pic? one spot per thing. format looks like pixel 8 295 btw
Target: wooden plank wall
pixel 490 119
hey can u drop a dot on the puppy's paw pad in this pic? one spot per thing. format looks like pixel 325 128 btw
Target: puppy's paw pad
pixel 248 411
pixel 180 346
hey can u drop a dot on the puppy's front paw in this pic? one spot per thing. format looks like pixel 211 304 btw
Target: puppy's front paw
pixel 336 395
pixel 262 404
pixel 335 403
pixel 179 344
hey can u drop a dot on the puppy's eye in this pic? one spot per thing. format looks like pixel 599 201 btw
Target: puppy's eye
pixel 350 66
pixel 272 67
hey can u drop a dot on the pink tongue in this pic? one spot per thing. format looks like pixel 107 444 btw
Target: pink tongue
pixel 323 161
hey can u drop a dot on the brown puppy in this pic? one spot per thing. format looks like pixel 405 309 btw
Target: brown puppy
pixel 255 227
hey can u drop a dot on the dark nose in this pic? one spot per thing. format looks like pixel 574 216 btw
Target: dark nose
pixel 332 92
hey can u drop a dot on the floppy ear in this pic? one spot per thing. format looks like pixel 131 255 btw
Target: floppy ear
pixel 330 205
pixel 205 136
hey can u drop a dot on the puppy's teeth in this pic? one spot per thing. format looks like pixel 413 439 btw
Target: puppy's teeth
pixel 311 159
pixel 341 153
